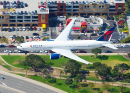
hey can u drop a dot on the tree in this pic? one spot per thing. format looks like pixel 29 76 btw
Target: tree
pixel 78 87
pixel 116 72
pixel 91 85
pixel 96 51
pixel 122 88
pixel 99 28
pixel 45 71
pixel 91 28
pixel 106 86
pixel 123 68
pixel 72 67
pixel 35 61
pixel 4 40
pixel 103 71
pixel 96 64
pixel 68 81
pixel 45 38
pixel 79 37
pixel 79 78
pixel 19 39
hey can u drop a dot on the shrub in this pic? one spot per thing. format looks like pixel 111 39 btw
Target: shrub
pixel 59 83
pixel 128 54
pixel 48 77
pixel 68 81
pixel 52 80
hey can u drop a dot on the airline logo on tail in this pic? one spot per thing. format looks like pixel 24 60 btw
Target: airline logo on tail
pixel 107 35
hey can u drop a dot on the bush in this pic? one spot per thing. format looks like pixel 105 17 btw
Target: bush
pixel 128 54
pixel 48 77
pixel 52 80
pixel 59 83
pixel 68 81
pixel 96 64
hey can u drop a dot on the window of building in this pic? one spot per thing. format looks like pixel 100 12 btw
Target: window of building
pixel 87 6
pixel 94 6
pixel 61 6
pixel 99 6
pixel 61 9
pixel 2 17
pixel 84 6
pixel 119 8
pixel 102 6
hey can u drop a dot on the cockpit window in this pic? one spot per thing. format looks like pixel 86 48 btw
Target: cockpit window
pixel 20 46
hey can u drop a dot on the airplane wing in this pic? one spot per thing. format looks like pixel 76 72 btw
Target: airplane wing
pixel 69 54
pixel 64 36
pixel 109 45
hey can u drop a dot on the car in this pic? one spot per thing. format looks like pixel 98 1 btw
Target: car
pixel 11 46
pixel 45 34
pixel 26 5
pixel 17 29
pixel 126 45
pixel 101 33
pixel 24 29
pixel 39 29
pixel 16 51
pixel 93 34
pixel 82 51
pixel 108 51
pixel 35 34
pixel 41 51
pixel 27 28
pixel 2 46
pixel 13 29
pixel 119 46
pixel 7 51
pixel 2 77
pixel 20 29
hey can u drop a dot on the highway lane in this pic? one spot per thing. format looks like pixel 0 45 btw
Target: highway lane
pixel 3 89
pixel 24 86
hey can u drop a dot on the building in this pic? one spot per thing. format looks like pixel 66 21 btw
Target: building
pixel 23 17
pixel 85 8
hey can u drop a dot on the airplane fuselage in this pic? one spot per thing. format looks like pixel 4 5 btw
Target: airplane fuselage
pixel 71 45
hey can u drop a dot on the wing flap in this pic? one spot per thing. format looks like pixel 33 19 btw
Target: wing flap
pixel 69 54
pixel 109 45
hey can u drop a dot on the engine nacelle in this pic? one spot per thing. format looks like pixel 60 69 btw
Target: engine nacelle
pixel 54 56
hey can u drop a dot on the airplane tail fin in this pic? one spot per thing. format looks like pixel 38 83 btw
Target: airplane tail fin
pixel 107 35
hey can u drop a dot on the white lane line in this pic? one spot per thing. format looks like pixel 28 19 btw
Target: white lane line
pixel 4 84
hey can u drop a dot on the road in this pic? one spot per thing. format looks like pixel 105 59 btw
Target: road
pixel 24 86
pixel 119 50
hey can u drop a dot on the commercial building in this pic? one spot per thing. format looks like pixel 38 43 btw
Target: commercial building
pixel 85 8
pixel 35 14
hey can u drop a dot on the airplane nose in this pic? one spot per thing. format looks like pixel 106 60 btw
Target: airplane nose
pixel 18 47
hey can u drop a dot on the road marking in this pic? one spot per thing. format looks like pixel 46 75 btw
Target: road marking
pixel 4 84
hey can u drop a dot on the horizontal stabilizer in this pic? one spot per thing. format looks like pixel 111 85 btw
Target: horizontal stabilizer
pixel 109 45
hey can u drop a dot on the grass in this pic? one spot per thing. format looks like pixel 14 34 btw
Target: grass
pixel 110 60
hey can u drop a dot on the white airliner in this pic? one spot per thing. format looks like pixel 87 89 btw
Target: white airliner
pixel 62 45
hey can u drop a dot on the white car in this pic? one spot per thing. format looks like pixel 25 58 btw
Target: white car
pixel 7 51
pixel 24 29
pixel 119 46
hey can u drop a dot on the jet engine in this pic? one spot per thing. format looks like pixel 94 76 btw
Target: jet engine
pixel 54 56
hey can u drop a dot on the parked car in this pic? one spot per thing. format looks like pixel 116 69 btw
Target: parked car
pixel 11 46
pixel 20 29
pixel 45 34
pixel 2 46
pixel 35 34
pixel 93 34
pixel 24 29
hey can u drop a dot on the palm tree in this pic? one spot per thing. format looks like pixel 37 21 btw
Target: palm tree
pixel 91 28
